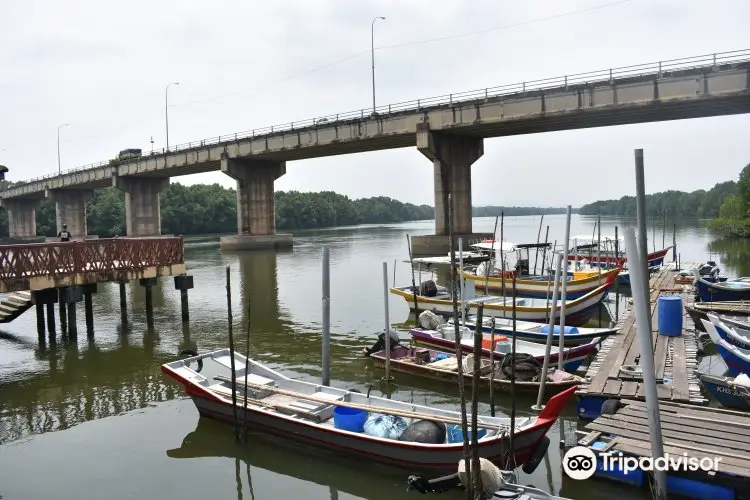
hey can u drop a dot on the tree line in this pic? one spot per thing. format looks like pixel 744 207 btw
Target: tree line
pixel 212 209
pixel 734 213
pixel 700 203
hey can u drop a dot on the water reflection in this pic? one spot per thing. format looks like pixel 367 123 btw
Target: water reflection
pixel 734 255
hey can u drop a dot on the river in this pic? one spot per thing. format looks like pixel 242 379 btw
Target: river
pixel 97 419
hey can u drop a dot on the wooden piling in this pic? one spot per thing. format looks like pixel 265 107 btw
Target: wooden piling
pixel 40 319
pixel 89 312
pixel 63 312
pixel 476 478
pixel 149 306
pixel 72 325
pixel 184 306
pixel 231 358
pixel 51 321
pixel 123 304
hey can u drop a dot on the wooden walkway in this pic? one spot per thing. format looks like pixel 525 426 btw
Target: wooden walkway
pixel 686 429
pixel 675 358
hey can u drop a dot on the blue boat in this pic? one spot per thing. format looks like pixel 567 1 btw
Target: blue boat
pixel 736 359
pixel 731 334
pixel 726 391
pixel 733 290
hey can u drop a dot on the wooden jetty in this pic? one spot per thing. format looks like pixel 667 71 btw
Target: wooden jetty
pixel 65 273
pixel 675 358
pixel 687 430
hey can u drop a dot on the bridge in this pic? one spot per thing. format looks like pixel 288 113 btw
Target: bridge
pixel 448 130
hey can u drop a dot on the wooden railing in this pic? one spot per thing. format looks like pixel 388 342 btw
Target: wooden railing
pixel 89 256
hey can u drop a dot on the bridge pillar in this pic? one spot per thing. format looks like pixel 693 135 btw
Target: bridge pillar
pixel 21 217
pixel 142 209
pixel 256 209
pixel 70 209
pixel 452 157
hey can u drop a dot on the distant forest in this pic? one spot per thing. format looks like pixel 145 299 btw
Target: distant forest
pixel 700 203
pixel 211 209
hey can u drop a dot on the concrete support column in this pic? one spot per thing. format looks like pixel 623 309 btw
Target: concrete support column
pixel 21 217
pixel 88 291
pixel 452 157
pixel 40 298
pixel 70 209
pixel 71 296
pixel 123 303
pixel 142 209
pixel 256 208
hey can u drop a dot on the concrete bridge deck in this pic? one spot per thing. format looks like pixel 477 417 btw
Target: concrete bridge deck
pixel 448 130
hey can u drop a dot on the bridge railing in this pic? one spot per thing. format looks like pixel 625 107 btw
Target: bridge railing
pixel 660 68
pixel 60 259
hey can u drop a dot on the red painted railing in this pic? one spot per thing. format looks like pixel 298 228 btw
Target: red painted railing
pixel 59 259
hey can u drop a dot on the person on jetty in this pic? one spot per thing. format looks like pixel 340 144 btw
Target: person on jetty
pixel 64 235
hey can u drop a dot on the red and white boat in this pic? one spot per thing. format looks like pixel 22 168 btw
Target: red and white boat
pixel 303 412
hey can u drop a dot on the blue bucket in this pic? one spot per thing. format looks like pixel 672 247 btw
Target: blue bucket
pixel 670 315
pixel 456 435
pixel 556 329
pixel 349 419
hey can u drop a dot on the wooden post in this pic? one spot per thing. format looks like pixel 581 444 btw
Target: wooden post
pixel 492 362
pixel 184 306
pixel 123 304
pixel 72 324
pixel 326 343
pixel 476 477
pixel 89 311
pixel 40 320
pixel 63 312
pixel 51 321
pixel 148 284
pixel 413 284
pixel 183 283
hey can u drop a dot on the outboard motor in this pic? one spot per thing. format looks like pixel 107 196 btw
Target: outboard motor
pixel 379 345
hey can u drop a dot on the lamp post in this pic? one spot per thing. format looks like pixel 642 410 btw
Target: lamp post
pixel 372 47
pixel 59 168
pixel 166 108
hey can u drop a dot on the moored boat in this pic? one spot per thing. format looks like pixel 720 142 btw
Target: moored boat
pixel 731 290
pixel 609 257
pixel 578 311
pixel 439 365
pixel 736 359
pixel 729 391
pixel 699 310
pixel 739 338
pixel 309 412
pixel 443 338
pixel 538 332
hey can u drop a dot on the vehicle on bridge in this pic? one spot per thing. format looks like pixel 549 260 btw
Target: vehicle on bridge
pixel 125 155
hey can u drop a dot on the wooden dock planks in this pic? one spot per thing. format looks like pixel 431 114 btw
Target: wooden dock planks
pixel 674 357
pixel 685 429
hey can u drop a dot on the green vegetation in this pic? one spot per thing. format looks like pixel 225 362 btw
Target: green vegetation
pixel 699 203
pixel 212 209
pixel 734 214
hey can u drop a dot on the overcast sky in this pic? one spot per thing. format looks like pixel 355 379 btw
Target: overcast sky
pixel 102 67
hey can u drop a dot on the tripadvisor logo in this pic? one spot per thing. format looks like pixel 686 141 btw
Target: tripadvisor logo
pixel 580 463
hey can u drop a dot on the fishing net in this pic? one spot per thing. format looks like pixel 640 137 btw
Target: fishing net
pixel 430 321
pixel 527 368
pixel 424 431
pixel 385 426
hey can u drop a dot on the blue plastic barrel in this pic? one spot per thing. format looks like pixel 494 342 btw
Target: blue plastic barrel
pixel 670 315
pixel 349 419
pixel 556 329
pixel 456 435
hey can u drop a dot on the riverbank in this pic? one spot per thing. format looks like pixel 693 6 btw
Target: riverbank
pixel 736 228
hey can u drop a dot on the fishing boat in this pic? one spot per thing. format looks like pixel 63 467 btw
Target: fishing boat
pixel 729 391
pixel 593 254
pixel 739 338
pixel 740 326
pixel 578 311
pixel 333 418
pixel 540 287
pixel 731 290
pixel 439 365
pixel 443 338
pixel 699 310
pixel 538 332
pixel 736 359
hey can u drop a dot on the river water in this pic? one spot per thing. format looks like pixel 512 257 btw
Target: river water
pixel 95 418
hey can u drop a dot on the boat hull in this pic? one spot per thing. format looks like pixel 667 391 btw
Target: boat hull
pixel 541 289
pixel 700 311
pixel 713 292
pixel 722 390
pixel 414 458
pixel 569 339
pixel 574 357
pixel 654 258
pixel 397 363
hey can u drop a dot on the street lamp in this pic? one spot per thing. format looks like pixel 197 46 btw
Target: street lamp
pixel 59 169
pixel 372 45
pixel 166 108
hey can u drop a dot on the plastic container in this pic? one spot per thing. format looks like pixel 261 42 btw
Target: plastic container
pixel 456 435
pixel 670 315
pixel 503 346
pixel 486 341
pixel 556 329
pixel 349 419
